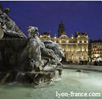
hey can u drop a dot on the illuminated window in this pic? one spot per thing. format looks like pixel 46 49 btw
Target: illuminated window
pixel 82 49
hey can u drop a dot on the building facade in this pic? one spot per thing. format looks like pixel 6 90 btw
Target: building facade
pixel 95 50
pixel 74 47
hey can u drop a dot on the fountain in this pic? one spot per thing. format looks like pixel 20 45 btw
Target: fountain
pixel 26 60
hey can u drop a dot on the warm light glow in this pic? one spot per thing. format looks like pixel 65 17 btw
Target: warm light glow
pixel 96 55
pixel 67 41
pixel 55 37
pixel 82 49
pixel 68 47
pixel 72 50
pixel 40 35
pixel 82 57
pixel 60 41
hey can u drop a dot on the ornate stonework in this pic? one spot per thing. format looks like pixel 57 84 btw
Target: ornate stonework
pixel 27 60
pixel 8 28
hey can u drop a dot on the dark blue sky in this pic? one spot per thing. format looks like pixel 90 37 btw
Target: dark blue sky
pixel 76 16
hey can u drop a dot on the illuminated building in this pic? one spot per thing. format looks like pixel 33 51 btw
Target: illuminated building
pixel 95 50
pixel 74 47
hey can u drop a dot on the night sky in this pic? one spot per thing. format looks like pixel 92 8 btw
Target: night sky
pixel 47 15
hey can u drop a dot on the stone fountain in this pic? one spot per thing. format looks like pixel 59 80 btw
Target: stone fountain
pixel 27 60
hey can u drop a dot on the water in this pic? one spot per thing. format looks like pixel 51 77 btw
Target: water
pixel 86 81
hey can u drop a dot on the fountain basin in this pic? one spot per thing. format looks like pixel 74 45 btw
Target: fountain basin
pixel 85 81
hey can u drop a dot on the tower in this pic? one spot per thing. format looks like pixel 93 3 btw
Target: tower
pixel 61 29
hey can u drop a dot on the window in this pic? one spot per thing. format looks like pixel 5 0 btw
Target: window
pixel 80 41
pixel 84 41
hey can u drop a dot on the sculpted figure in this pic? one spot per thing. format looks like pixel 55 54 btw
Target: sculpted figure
pixel 9 27
pixel 1 32
pixel 58 54
pixel 55 47
pixel 25 58
pixel 42 54
pixel 34 47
